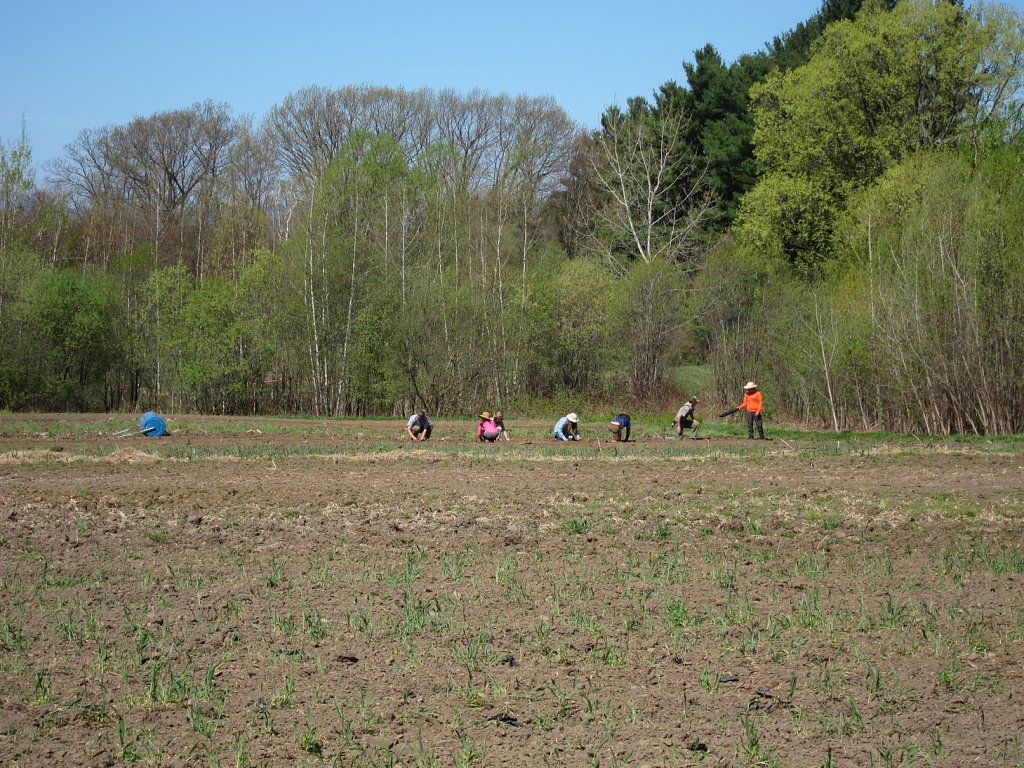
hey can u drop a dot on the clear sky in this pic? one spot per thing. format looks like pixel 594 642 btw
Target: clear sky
pixel 69 65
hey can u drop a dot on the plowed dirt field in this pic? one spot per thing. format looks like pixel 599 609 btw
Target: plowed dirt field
pixel 280 592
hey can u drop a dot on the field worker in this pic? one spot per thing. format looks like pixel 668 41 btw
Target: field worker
pixel 752 404
pixel 618 425
pixel 567 428
pixel 499 422
pixel 418 426
pixel 487 430
pixel 684 418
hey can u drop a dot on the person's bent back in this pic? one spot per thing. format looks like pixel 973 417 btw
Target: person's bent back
pixel 567 428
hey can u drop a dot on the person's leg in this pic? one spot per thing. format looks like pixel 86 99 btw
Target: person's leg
pixel 426 432
pixel 750 424
pixel 760 426
pixel 696 426
pixel 616 429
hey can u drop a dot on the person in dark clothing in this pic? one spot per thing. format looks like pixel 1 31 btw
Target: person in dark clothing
pixel 620 424
pixel 499 422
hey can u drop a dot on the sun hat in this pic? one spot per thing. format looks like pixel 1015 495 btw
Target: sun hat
pixel 485 415
pixel 694 400
pixel 750 385
pixel 573 418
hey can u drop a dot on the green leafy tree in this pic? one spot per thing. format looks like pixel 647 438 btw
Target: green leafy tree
pixel 215 370
pixel 717 98
pixel 165 294
pixel 934 257
pixel 587 303
pixel 69 339
pixel 875 90
pixel 16 182
pixel 377 381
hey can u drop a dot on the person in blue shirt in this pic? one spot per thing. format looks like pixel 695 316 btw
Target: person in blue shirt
pixel 567 428
pixel 618 425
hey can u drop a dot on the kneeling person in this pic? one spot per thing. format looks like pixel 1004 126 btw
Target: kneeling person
pixel 487 430
pixel 684 418
pixel 567 428
pixel 418 426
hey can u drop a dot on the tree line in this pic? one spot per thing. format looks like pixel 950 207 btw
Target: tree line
pixel 836 215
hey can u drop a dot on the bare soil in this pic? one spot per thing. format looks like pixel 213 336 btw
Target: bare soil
pixel 272 592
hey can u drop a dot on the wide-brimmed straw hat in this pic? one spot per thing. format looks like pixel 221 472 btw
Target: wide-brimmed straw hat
pixel 485 415
pixel 750 385
pixel 573 418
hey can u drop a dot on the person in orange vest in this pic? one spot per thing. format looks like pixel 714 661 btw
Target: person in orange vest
pixel 753 403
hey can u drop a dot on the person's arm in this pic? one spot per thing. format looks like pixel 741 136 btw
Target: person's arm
pixel 629 425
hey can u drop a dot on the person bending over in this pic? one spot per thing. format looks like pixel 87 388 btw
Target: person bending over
pixel 487 430
pixel 619 425
pixel 567 428
pixel 499 422
pixel 418 427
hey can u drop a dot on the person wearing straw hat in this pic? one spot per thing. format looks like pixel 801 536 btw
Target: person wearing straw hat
pixel 752 404
pixel 487 430
pixel 568 428
pixel 684 419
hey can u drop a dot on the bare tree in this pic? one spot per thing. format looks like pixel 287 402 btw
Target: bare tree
pixel 654 188
pixel 164 167
pixel 308 129
pixel 645 195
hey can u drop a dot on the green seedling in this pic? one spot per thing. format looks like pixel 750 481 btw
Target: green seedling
pixel 309 741
pixel 578 525
pixel 41 689
pixel 282 698
pixel 753 750
pixel 276 576
pixel 709 680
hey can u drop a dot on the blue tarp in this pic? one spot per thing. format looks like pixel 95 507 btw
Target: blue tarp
pixel 152 425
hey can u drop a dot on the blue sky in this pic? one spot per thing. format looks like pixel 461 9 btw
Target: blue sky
pixel 68 66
